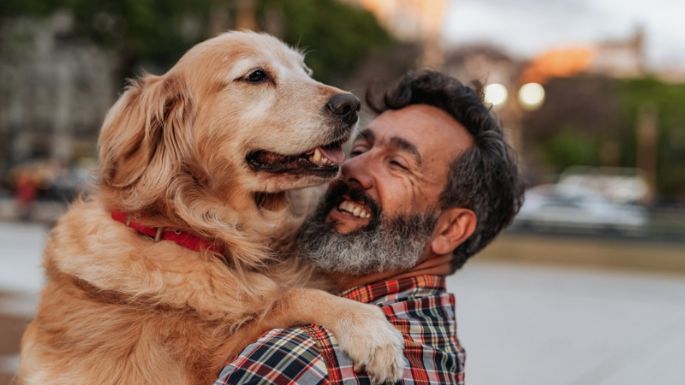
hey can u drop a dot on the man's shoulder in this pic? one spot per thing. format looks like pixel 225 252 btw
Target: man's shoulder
pixel 281 356
pixel 423 313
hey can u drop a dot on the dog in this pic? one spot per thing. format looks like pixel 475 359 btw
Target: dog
pixel 181 255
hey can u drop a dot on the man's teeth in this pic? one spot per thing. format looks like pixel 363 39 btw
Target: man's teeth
pixel 320 159
pixel 355 209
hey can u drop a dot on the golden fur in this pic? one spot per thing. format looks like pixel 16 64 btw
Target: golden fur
pixel 119 308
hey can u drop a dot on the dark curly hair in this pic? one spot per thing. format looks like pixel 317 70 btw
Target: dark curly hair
pixel 485 178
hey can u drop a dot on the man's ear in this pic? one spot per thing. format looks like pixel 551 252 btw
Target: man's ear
pixel 454 226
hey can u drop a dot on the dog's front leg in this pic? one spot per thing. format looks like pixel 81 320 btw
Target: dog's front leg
pixel 362 330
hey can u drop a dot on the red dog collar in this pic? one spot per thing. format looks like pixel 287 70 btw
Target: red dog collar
pixel 187 240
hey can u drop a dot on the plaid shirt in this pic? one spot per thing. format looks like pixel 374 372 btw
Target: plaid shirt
pixel 419 307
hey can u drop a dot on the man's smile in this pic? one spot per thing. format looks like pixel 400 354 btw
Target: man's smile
pixel 350 215
pixel 356 209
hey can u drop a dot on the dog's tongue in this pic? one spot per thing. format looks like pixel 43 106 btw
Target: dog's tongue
pixel 335 154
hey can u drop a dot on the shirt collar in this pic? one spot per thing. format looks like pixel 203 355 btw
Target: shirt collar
pixel 374 291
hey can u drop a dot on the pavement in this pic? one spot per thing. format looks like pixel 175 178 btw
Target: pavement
pixel 559 325
pixel 21 278
pixel 521 323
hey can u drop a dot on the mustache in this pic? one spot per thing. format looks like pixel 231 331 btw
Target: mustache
pixel 387 243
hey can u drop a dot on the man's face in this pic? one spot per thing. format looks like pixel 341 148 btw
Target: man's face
pixel 380 214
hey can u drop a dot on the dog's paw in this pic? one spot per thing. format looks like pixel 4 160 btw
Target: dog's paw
pixel 373 344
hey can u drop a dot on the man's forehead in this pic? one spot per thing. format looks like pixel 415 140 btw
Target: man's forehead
pixel 423 125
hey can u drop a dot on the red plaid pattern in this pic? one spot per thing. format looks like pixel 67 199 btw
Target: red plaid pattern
pixel 419 307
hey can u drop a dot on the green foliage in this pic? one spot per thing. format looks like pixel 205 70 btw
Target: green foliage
pixel 153 34
pixel 668 101
pixel 336 36
pixel 11 8
pixel 583 115
pixel 142 32
pixel 570 147
pixel 146 33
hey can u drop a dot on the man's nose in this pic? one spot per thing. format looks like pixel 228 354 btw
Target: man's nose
pixel 355 171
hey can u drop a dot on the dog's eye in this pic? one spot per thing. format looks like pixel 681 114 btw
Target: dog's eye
pixel 257 76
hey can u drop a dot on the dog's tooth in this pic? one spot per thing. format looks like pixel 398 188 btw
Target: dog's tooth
pixel 365 214
pixel 317 156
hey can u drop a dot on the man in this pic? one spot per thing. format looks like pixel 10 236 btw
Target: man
pixel 428 184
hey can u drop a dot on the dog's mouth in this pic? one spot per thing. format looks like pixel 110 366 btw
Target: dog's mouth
pixel 322 161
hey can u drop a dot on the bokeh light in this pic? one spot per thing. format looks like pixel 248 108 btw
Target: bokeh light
pixel 496 94
pixel 531 96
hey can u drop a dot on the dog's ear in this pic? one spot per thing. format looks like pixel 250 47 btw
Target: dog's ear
pixel 144 136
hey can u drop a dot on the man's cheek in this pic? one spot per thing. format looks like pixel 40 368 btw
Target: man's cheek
pixel 408 202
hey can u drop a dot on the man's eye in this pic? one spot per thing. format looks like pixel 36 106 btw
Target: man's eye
pixel 396 163
pixel 356 151
pixel 257 76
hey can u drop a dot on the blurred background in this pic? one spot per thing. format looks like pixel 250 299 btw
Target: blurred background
pixel 586 287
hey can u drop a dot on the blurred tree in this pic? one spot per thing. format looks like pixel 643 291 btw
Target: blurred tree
pixel 570 147
pixel 153 34
pixel 335 35
pixel 573 126
pixel 667 101
pixel 586 116
pixel 142 33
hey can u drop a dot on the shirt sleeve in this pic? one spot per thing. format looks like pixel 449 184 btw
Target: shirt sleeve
pixel 281 357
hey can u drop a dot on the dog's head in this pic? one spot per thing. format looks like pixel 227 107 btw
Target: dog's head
pixel 237 116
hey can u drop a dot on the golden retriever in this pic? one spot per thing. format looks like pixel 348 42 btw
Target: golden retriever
pixel 211 148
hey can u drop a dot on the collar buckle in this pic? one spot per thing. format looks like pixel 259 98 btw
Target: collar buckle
pixel 159 233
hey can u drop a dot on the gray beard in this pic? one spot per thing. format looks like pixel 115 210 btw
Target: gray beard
pixel 384 245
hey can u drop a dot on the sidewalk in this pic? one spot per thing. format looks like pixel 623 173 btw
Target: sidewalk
pixel 525 324
pixel 21 247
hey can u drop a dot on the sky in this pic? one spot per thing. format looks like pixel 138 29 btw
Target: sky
pixel 526 27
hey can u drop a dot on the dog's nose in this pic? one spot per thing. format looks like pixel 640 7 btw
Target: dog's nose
pixel 345 107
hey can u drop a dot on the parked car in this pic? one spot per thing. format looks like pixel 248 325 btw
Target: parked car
pixel 551 206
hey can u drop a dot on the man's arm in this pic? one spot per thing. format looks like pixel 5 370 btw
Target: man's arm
pixel 281 356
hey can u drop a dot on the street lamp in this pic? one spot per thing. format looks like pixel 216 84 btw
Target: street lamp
pixel 496 94
pixel 531 96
